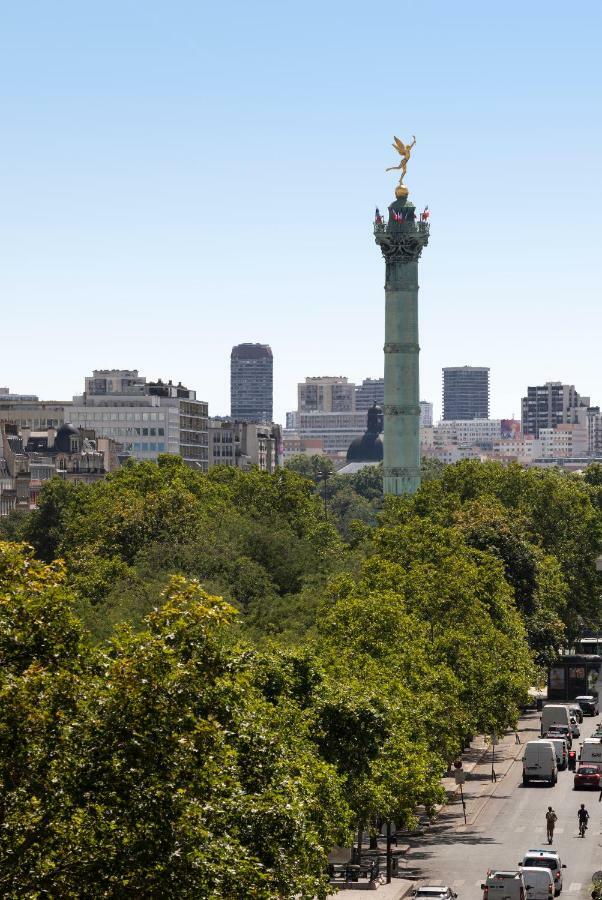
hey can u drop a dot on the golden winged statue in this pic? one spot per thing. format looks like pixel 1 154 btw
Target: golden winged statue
pixel 404 151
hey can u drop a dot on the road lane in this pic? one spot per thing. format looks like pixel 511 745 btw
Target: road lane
pixel 504 820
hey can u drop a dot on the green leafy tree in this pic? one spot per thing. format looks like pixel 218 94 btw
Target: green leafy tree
pixel 153 765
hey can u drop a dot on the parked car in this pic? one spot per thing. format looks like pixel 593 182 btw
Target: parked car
pixel 539 762
pixel 539 883
pixel 589 704
pixel 434 892
pixel 562 751
pixel 503 885
pixel 545 858
pixel 575 731
pixel 587 777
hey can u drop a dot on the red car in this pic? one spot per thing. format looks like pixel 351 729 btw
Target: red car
pixel 587 777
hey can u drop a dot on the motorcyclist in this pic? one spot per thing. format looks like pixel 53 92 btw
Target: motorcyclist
pixel 583 816
pixel 551 819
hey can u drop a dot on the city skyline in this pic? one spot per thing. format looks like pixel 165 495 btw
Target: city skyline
pixel 139 146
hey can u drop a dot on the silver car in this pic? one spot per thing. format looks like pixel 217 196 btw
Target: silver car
pixel 575 727
pixel 434 892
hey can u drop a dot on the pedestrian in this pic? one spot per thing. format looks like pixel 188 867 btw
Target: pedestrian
pixel 551 819
pixel 583 816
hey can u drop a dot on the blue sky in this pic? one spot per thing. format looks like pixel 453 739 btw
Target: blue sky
pixel 179 177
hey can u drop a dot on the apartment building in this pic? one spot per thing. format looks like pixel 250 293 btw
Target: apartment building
pixel 549 405
pixel 465 392
pixel 252 383
pixel 146 418
pixel 244 445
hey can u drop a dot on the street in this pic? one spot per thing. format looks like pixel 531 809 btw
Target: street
pixel 504 820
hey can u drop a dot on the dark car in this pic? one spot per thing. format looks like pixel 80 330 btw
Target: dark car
pixel 589 704
pixel 587 777
pixel 561 731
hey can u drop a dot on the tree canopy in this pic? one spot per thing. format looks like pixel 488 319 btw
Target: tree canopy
pixel 208 680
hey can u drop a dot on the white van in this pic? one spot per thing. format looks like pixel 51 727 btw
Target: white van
pixel 503 885
pixel 554 714
pixel 562 751
pixel 591 751
pixel 539 762
pixel 539 883
pixel 545 858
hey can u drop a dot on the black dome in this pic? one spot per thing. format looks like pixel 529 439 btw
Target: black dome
pixel 369 448
pixel 63 437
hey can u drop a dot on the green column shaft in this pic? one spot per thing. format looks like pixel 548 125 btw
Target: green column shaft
pixel 402 394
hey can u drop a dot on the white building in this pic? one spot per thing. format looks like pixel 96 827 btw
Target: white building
pixel 468 432
pixel 564 442
pixel 426 414
pixel 146 418
pixel 522 450
pixel 451 453
pixel 335 430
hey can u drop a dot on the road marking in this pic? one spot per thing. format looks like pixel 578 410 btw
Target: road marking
pixel 574 887
pixel 559 831
pixel 461 882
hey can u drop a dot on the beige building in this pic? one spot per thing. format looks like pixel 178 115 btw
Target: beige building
pixel 326 394
pixel 28 411
pixel 244 445
pixel 30 458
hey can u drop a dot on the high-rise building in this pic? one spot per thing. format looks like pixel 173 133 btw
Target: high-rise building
pixel 251 383
pixel 551 404
pixel 369 392
pixel 426 414
pixel 465 392
pixel 326 393
pixel 146 418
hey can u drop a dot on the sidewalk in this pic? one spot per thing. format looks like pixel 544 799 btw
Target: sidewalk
pixel 398 888
pixel 476 763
